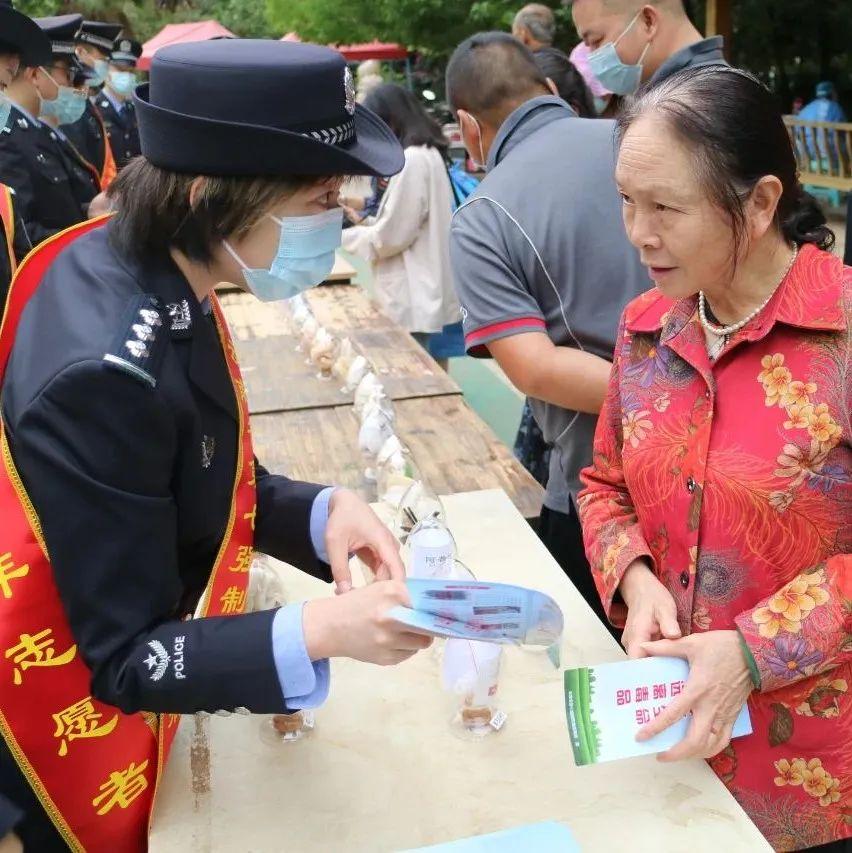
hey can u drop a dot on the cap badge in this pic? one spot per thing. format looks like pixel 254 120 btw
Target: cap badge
pixel 349 89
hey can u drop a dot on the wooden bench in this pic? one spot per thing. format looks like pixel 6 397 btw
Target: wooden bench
pixel 823 152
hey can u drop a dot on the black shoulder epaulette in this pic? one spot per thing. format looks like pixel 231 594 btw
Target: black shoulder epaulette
pixel 138 348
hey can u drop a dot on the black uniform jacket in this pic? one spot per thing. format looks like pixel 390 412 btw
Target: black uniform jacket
pixel 122 129
pixel 20 247
pixel 88 138
pixel 129 462
pixel 50 194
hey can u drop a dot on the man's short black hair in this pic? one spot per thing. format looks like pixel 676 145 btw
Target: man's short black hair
pixel 490 71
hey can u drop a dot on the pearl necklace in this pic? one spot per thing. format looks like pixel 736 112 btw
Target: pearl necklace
pixel 726 331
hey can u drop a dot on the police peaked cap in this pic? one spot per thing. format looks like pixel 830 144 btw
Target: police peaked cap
pixel 61 30
pixel 24 36
pixel 259 107
pixel 99 34
pixel 126 50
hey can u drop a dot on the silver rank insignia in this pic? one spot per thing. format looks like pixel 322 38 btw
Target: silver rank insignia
pixel 208 448
pixel 143 331
pixel 150 317
pixel 137 348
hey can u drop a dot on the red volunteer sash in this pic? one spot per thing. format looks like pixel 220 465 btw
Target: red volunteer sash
pixel 7 217
pixel 110 170
pixel 94 769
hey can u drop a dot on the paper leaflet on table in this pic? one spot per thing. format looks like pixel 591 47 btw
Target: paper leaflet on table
pixel 545 837
pixel 478 610
pixel 606 705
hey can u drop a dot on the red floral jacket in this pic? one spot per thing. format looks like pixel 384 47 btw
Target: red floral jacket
pixel 734 479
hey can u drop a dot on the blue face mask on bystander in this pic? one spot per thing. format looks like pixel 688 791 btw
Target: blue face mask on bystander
pixel 124 82
pixel 99 73
pixel 615 75
pixel 68 106
pixel 304 258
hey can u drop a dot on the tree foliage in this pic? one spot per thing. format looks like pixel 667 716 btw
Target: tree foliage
pixel 145 18
pixel 790 44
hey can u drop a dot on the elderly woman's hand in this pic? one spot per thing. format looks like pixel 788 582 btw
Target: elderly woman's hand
pixel 651 610
pixel 718 686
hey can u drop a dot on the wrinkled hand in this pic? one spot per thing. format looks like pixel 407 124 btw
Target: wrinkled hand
pixel 718 686
pixel 651 610
pixel 353 528
pixel 357 626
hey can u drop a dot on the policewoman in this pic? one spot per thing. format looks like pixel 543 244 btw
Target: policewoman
pixel 130 495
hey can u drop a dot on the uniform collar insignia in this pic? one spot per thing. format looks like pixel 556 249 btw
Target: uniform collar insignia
pixel 180 318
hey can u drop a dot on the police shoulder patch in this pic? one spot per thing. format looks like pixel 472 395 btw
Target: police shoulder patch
pixel 139 346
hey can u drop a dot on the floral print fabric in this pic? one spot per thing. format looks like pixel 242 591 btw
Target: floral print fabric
pixel 734 480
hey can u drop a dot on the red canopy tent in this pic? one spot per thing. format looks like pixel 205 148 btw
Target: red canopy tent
pixel 373 50
pixel 179 34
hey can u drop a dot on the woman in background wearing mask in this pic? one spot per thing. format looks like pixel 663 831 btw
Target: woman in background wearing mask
pixel 129 451
pixel 407 241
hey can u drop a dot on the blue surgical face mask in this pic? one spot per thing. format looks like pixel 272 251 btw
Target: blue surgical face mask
pixel 68 106
pixel 615 75
pixel 5 110
pixel 100 71
pixel 124 82
pixel 304 258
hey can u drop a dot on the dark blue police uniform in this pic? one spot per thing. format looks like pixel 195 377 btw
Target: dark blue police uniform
pixel 121 415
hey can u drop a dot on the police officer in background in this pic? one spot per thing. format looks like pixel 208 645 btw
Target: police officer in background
pixel 52 188
pixel 21 39
pixel 127 425
pixel 71 76
pixel 116 103
pixel 94 42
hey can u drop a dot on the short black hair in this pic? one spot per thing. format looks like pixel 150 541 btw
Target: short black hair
pixel 489 71
pixel 733 126
pixel 568 80
pixel 400 110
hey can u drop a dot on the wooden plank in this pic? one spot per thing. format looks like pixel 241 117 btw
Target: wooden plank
pixel 453 448
pixel 718 21
pixel 456 451
pixel 316 445
pixel 343 310
pixel 279 378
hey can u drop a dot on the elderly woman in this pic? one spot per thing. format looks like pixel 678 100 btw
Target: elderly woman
pixel 718 510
